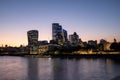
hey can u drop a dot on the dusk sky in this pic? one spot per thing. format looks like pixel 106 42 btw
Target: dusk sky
pixel 91 19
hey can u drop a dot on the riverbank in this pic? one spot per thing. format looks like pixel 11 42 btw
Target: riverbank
pixel 113 56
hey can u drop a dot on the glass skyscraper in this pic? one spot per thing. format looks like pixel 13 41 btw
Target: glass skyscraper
pixel 32 37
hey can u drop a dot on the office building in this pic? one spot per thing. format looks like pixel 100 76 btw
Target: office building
pixel 74 38
pixel 33 41
pixel 92 43
pixel 32 37
pixel 103 41
pixel 65 35
pixel 107 46
pixel 57 33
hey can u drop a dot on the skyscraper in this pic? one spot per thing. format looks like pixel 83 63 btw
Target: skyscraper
pixel 32 37
pixel 65 35
pixel 57 33
pixel 33 41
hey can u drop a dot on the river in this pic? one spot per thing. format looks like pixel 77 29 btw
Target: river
pixel 28 68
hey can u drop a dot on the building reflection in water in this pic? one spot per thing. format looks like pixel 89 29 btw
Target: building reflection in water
pixel 45 69
pixel 71 69
pixel 66 69
pixel 33 69
pixel 59 70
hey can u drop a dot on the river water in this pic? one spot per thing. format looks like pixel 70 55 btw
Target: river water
pixel 28 68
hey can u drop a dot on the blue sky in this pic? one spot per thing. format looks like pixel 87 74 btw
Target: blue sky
pixel 91 19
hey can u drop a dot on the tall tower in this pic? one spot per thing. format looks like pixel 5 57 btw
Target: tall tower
pixel 65 35
pixel 33 41
pixel 57 33
pixel 56 29
pixel 32 37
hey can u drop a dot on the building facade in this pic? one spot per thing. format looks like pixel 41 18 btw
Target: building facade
pixel 107 46
pixel 57 33
pixel 92 43
pixel 103 41
pixel 74 38
pixel 32 41
pixel 65 35
pixel 32 37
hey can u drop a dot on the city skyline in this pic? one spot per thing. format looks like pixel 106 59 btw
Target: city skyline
pixel 91 19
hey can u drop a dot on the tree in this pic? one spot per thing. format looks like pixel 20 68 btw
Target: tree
pixel 114 46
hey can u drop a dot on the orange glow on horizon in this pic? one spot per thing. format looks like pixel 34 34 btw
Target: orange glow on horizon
pixel 17 43
pixel 12 39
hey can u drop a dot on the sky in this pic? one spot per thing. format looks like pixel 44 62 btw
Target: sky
pixel 91 19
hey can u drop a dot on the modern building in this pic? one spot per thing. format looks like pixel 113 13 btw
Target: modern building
pixel 65 35
pixel 103 41
pixel 74 38
pixel 107 46
pixel 32 37
pixel 71 38
pixel 43 49
pixel 33 41
pixel 57 33
pixel 46 48
pixel 44 42
pixel 102 44
pixel 92 43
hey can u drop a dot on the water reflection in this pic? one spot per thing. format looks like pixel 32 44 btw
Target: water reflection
pixel 116 78
pixel 33 69
pixel 45 69
pixel 59 70
pixel 84 69
pixel 73 70
pixel 13 68
pixel 25 68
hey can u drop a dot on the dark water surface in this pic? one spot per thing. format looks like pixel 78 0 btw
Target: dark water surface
pixel 27 68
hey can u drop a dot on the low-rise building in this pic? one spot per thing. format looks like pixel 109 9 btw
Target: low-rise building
pixel 107 46
pixel 74 38
pixel 47 48
pixel 43 49
pixel 33 49
pixel 92 43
